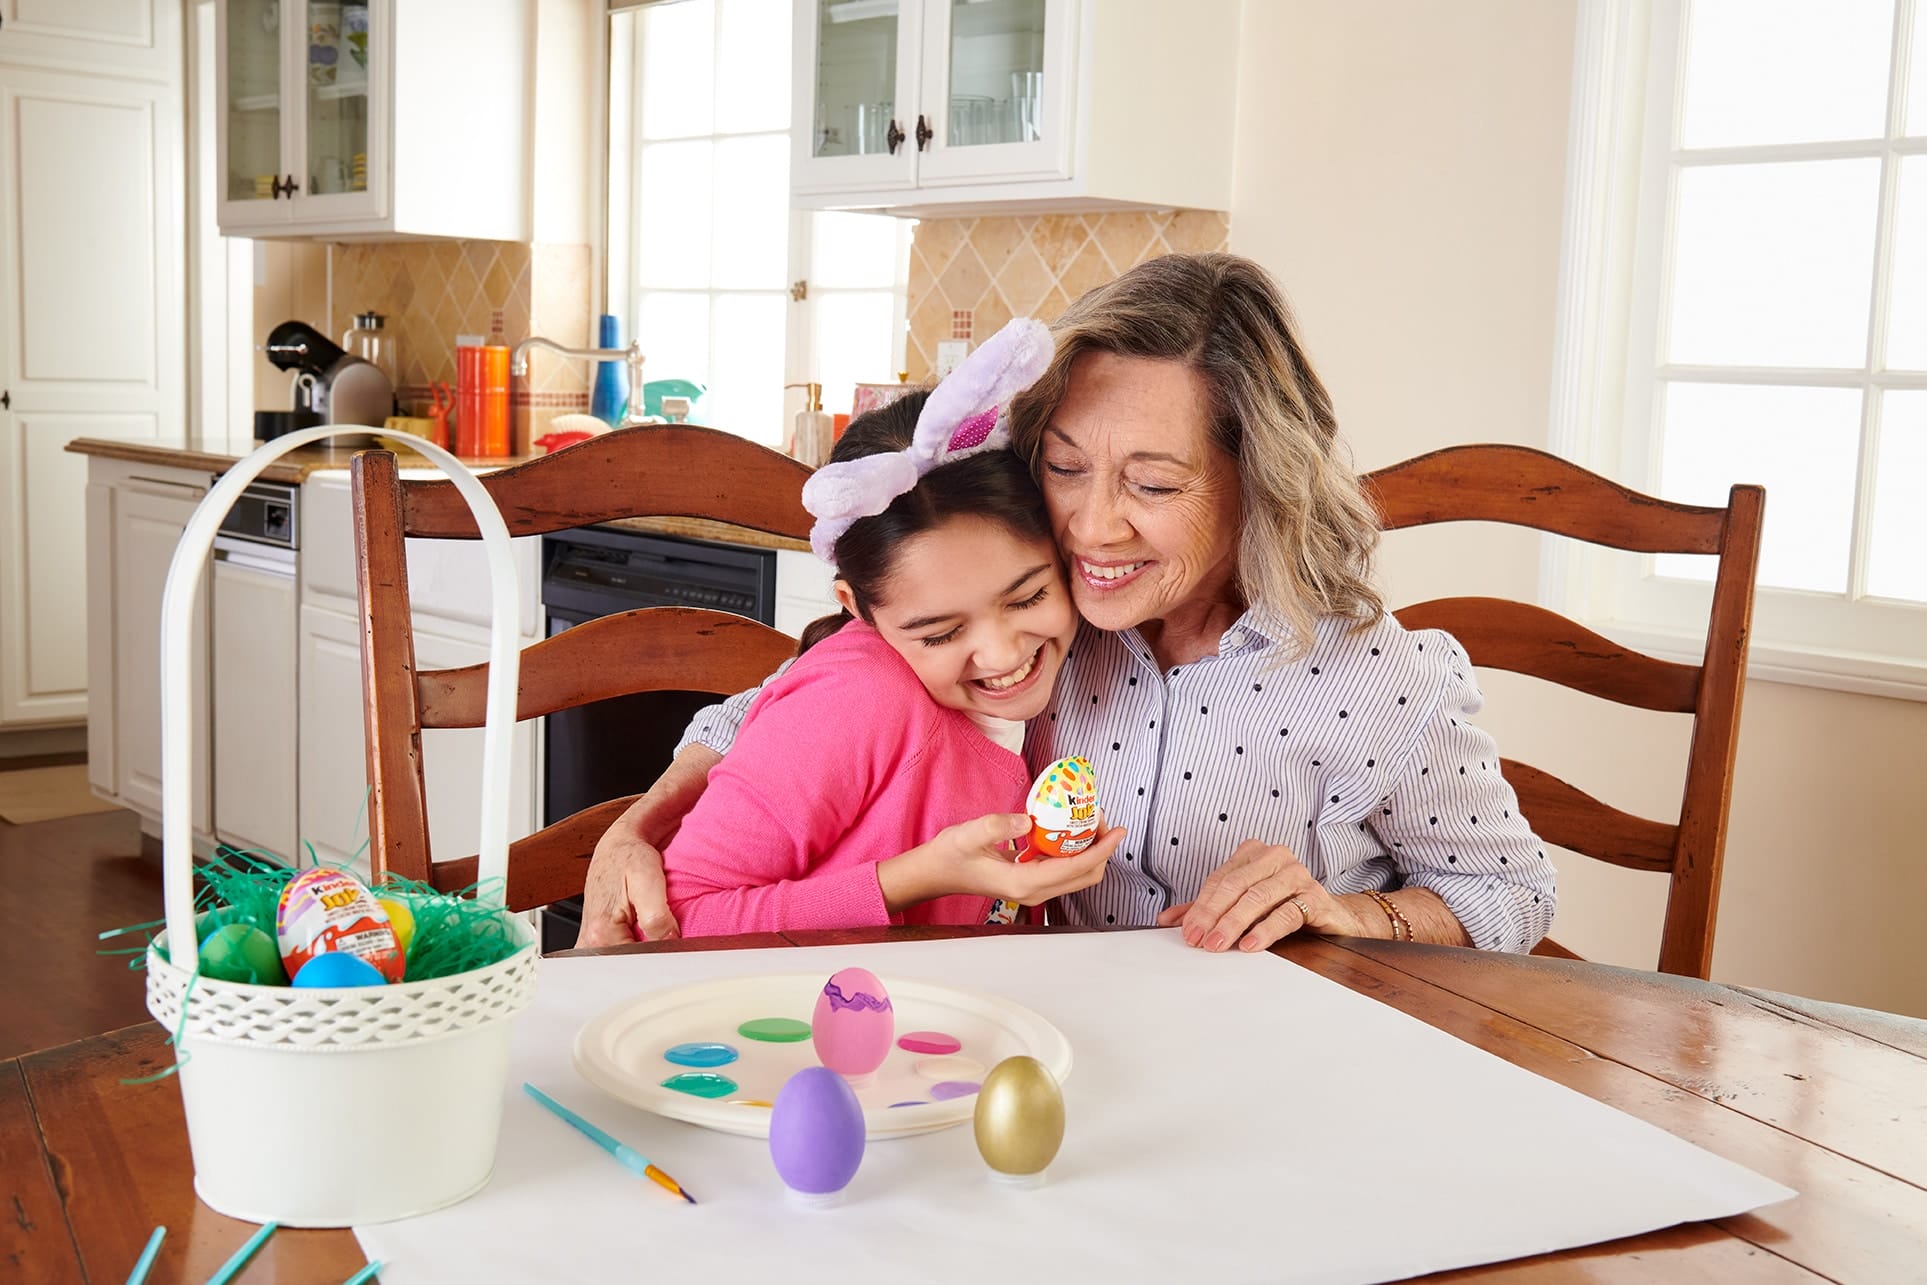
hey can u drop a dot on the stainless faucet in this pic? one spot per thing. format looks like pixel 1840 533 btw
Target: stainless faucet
pixel 519 367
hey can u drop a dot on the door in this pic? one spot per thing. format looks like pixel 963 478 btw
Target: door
pixel 252 68
pixel 148 520
pixel 854 90
pixel 998 90
pixel 255 702
pixel 341 79
pixel 90 261
pixel 128 37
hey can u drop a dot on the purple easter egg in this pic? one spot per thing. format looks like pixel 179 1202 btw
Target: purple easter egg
pixel 816 1132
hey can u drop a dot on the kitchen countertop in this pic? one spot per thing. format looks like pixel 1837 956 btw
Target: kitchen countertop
pixel 294 468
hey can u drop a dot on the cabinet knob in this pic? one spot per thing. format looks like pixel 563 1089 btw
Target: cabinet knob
pixel 894 136
pixel 287 188
pixel 924 133
pixel 6 399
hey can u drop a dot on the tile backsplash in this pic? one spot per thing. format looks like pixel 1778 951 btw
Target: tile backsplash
pixel 970 276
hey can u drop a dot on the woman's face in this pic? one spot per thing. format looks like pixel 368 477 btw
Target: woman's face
pixel 979 614
pixel 1145 508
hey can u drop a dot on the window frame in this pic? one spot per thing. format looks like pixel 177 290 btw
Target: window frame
pixel 1607 376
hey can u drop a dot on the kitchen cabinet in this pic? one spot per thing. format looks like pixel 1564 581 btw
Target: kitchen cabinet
pixel 88 106
pixel 374 118
pixel 956 106
pixel 803 592
pixel 256 783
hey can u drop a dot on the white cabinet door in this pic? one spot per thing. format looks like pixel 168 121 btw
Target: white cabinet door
pixel 333 754
pixel 998 85
pixel 854 90
pixel 90 252
pixel 136 37
pixel 803 591
pixel 255 708
pixel 148 520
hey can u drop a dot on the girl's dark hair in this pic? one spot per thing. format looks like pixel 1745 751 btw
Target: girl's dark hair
pixel 993 485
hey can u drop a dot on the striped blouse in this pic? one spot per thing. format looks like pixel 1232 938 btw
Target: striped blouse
pixel 1358 757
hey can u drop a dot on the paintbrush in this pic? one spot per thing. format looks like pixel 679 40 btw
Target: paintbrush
pixel 631 1159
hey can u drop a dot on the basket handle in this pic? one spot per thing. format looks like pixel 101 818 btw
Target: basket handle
pixel 177 721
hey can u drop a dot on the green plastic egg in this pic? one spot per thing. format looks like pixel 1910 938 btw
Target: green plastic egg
pixel 242 953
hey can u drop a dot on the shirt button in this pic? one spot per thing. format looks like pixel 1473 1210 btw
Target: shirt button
pixel 1235 638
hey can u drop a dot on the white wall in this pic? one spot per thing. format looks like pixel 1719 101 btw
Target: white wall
pixel 1401 170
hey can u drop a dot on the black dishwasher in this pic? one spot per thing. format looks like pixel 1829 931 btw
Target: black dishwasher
pixel 616 747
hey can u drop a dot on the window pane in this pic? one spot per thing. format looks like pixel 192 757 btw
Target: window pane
pixel 746 367
pixel 854 251
pixel 1785 71
pixel 1802 444
pixel 1907 306
pixel 753 66
pixel 672 225
pixel 677 69
pixel 1897 562
pixel 674 329
pixel 1917 79
pixel 853 343
pixel 1773 264
pixel 752 213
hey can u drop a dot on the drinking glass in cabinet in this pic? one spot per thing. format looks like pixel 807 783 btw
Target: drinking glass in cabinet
pixel 996 71
pixel 856 76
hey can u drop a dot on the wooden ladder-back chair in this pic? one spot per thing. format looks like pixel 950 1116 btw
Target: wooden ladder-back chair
pixel 669 471
pixel 1525 487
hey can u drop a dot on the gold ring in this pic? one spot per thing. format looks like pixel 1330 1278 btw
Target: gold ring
pixel 1304 916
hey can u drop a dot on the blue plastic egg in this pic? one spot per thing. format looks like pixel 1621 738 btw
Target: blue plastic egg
pixel 334 969
pixel 816 1132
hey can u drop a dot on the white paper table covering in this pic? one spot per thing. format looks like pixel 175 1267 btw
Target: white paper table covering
pixel 1230 1118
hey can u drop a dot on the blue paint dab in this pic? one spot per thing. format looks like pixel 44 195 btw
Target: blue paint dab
pixel 701 1055
pixel 895 1105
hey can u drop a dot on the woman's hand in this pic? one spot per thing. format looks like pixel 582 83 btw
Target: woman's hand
pixel 974 858
pixel 624 899
pixel 1262 894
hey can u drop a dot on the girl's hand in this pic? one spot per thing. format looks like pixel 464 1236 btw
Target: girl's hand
pixel 1263 893
pixel 974 858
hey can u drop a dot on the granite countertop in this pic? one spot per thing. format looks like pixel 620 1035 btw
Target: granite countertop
pixel 294 468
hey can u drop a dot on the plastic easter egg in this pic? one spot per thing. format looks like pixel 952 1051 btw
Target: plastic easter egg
pixel 816 1133
pixel 334 969
pixel 242 953
pixel 325 911
pixel 401 919
pixel 853 1023
pixel 1063 810
pixel 1019 1120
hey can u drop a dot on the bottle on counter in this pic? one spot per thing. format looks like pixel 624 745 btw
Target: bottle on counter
pixel 609 398
pixel 813 432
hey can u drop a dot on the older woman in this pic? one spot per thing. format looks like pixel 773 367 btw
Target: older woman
pixel 1283 754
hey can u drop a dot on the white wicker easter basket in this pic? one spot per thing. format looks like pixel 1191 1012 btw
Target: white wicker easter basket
pixel 285 1089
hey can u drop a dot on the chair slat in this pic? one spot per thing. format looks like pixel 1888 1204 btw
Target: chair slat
pixel 1525 639
pixel 683 471
pixel 1533 488
pixel 1569 817
pixel 546 866
pixel 650 649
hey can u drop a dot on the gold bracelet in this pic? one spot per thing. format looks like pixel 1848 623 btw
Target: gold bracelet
pixel 1392 913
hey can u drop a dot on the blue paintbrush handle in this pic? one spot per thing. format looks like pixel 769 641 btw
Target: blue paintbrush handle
pixel 630 1158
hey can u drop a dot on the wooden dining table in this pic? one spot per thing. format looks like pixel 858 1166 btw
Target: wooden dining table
pixel 1830 1100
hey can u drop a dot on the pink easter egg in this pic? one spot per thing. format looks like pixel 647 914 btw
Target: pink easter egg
pixel 853 1023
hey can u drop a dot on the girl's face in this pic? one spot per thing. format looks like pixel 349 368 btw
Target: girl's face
pixel 979 614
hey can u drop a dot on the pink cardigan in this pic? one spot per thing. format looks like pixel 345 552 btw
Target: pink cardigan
pixel 842 761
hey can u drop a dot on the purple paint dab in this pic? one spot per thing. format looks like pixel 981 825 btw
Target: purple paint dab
pixel 862 999
pixel 929 1042
pixel 953 1089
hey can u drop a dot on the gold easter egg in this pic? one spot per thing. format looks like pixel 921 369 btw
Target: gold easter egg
pixel 1019 1119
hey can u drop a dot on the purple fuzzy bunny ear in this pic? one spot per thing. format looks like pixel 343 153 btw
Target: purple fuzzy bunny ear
pixel 1006 364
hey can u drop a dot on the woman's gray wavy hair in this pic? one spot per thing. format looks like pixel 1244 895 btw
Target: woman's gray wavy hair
pixel 1306 546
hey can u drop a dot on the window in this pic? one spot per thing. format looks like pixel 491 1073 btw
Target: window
pixel 724 284
pixel 1745 300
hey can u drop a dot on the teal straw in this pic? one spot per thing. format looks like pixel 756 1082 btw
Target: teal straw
pixel 241 1256
pixel 365 1275
pixel 146 1262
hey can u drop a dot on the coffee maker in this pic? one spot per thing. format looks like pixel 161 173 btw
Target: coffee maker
pixel 328 382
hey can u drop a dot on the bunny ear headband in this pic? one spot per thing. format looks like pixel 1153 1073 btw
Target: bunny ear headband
pixel 961 418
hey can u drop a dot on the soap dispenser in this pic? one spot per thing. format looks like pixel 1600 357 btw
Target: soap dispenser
pixel 813 431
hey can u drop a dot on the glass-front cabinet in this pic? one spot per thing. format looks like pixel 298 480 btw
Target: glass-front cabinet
pixel 919 105
pixel 301 83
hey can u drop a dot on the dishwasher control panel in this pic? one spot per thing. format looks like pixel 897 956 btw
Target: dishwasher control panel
pixel 265 514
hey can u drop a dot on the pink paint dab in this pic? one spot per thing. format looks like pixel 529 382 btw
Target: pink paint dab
pixel 953 1089
pixel 929 1042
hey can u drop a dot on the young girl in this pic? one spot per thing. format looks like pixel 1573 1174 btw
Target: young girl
pixel 879 778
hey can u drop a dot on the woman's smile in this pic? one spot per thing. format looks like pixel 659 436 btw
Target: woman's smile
pixel 1104 577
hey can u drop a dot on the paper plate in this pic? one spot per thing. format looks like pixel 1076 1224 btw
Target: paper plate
pixel 622 1051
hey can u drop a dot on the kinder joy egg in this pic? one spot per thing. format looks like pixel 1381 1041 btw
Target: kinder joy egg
pixel 853 1023
pixel 242 953
pixel 335 969
pixel 1063 810
pixel 401 919
pixel 325 910
pixel 1019 1120
pixel 816 1133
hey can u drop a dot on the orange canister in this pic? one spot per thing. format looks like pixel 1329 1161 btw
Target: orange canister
pixel 495 401
pixel 469 407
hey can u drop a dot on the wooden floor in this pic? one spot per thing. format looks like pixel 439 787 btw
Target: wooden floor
pixel 62 883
